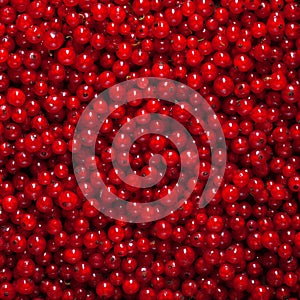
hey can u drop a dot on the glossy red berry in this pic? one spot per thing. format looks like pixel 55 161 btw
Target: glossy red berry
pixel 53 40
pixel 223 86
pixel 15 97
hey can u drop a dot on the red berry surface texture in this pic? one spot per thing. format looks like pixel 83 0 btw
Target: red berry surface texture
pixel 149 149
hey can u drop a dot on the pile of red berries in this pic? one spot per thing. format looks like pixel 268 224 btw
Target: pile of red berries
pixel 242 56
